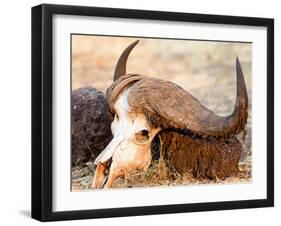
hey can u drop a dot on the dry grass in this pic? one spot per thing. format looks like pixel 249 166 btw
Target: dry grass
pixel 160 173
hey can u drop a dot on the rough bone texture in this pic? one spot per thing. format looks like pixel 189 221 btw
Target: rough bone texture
pixel 206 158
pixel 90 124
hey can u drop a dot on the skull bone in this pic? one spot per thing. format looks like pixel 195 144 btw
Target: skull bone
pixel 129 150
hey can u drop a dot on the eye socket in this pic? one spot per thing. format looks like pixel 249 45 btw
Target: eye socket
pixel 142 136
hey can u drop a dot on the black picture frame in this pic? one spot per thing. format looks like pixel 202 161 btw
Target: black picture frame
pixel 42 111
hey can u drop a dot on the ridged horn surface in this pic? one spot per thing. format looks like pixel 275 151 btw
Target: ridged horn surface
pixel 169 106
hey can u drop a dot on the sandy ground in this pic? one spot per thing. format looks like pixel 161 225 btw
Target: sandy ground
pixel 205 69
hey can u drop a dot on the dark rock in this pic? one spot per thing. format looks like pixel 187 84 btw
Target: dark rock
pixel 90 125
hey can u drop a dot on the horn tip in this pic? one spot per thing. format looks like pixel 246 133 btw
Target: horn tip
pixel 237 61
pixel 135 42
pixel 238 65
pixel 121 64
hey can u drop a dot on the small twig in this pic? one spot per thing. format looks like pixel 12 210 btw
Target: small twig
pixel 90 150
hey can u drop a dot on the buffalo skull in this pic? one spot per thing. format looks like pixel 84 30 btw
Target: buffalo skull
pixel 144 106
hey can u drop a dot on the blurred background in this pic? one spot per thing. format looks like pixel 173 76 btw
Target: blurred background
pixel 206 69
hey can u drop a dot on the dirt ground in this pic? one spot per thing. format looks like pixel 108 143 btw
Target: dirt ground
pixel 205 69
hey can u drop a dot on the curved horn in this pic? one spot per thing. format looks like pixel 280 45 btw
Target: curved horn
pixel 238 119
pixel 169 106
pixel 120 68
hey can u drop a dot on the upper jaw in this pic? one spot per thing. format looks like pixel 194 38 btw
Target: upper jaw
pixel 101 174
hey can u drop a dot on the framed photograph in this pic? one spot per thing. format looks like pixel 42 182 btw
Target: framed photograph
pixel 146 112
